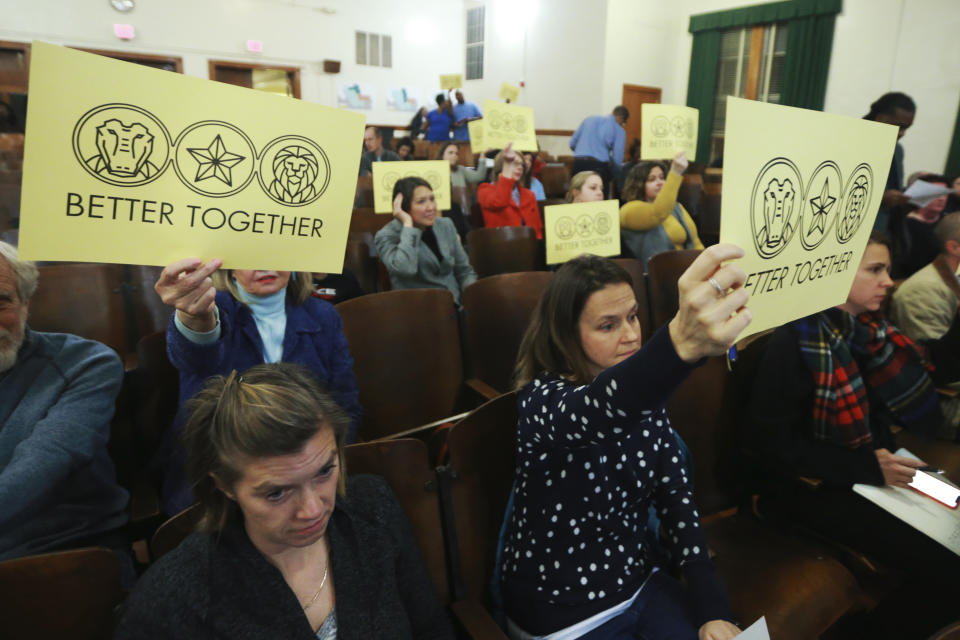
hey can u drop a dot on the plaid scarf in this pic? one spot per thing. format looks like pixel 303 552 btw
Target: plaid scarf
pixel 837 347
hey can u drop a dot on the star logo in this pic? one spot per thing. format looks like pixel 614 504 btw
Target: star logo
pixel 821 209
pixel 215 161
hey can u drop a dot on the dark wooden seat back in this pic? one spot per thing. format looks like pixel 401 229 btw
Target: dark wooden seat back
pixel 496 313
pixel 364 197
pixel 708 219
pixel 477 481
pixel 149 313
pixel 635 268
pixel 405 465
pixel 690 194
pixel 502 250
pixel 365 220
pixel 556 179
pixel 406 352
pixel 172 532
pixel 83 299
pixel 663 272
pixel 68 594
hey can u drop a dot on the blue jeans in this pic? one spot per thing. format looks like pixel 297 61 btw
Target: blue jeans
pixel 662 611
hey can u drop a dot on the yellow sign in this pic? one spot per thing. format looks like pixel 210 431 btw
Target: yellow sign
pixel 386 174
pixel 800 192
pixel 143 166
pixel 475 127
pixel 504 123
pixel 667 129
pixel 451 81
pixel 509 92
pixel 583 227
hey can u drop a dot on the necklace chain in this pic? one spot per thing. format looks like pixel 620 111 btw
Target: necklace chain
pixel 323 583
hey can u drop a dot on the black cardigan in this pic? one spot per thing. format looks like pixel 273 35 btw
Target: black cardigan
pixel 222 587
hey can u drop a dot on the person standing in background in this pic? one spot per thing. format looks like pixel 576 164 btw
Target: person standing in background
pixel 598 145
pixel 899 110
pixel 464 112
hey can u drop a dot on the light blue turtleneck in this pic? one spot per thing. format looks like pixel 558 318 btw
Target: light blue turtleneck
pixel 270 314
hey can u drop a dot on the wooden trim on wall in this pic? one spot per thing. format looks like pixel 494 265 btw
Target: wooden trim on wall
pixel 753 66
pixel 133 56
pixel 539 132
pixel 213 64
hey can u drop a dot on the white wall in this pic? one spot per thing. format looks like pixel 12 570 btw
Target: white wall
pixel 900 45
pixel 428 37
pixel 573 55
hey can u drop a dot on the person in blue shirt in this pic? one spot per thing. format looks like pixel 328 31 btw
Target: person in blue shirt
pixel 440 120
pixel 598 145
pixel 463 112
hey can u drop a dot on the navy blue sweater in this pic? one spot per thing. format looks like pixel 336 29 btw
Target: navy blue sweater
pixel 591 460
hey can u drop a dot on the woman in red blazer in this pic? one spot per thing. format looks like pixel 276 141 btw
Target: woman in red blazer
pixel 506 203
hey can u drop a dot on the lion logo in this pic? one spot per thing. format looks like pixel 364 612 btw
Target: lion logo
pixel 856 199
pixel 121 144
pixel 295 169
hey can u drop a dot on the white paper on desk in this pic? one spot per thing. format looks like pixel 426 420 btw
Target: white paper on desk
pixel 922 513
pixel 923 193
pixel 756 631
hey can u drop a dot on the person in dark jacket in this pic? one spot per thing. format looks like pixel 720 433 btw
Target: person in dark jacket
pixel 287 547
pixel 235 319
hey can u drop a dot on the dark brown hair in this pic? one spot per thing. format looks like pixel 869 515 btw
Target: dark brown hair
pixel 551 342
pixel 634 185
pixel 269 410
pixel 407 186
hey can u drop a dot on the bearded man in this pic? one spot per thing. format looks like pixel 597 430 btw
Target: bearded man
pixel 58 486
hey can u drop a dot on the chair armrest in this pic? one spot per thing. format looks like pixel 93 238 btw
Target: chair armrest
pixel 482 388
pixel 812 483
pixel 949 393
pixel 475 620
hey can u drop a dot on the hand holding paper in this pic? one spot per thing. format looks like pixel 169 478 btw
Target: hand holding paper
pixel 922 193
pixel 707 323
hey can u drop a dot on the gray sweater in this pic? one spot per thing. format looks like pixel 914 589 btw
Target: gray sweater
pixel 57 482
pixel 222 587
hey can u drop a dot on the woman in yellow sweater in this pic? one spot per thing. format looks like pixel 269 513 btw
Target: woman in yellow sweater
pixel 651 220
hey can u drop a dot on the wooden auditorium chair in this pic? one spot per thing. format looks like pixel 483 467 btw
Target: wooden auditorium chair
pixel 496 312
pixel 663 272
pixel 499 250
pixel 82 299
pixel 405 465
pixel 635 268
pixel 406 358
pixel 364 193
pixel 797 584
pixel 556 179
pixel 66 594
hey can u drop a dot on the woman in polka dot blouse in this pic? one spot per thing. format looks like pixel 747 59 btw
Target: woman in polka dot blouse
pixel 595 451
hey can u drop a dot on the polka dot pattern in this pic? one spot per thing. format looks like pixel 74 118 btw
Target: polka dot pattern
pixel 590 465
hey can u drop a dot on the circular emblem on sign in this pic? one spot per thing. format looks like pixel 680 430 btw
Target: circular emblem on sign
pixel 660 127
pixel 433 179
pixel 214 158
pixel 564 228
pixel 121 144
pixel 496 120
pixel 820 204
pixel 679 126
pixel 602 222
pixel 294 170
pixel 775 206
pixel 856 199
pixel 519 124
pixel 389 180
pixel 585 225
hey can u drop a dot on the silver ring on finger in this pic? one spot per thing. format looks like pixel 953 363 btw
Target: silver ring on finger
pixel 716 285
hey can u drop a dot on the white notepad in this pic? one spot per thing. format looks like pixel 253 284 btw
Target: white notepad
pixel 923 513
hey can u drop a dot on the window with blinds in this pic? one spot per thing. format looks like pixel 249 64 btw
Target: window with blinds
pixel 374 49
pixel 474 65
pixel 750 66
